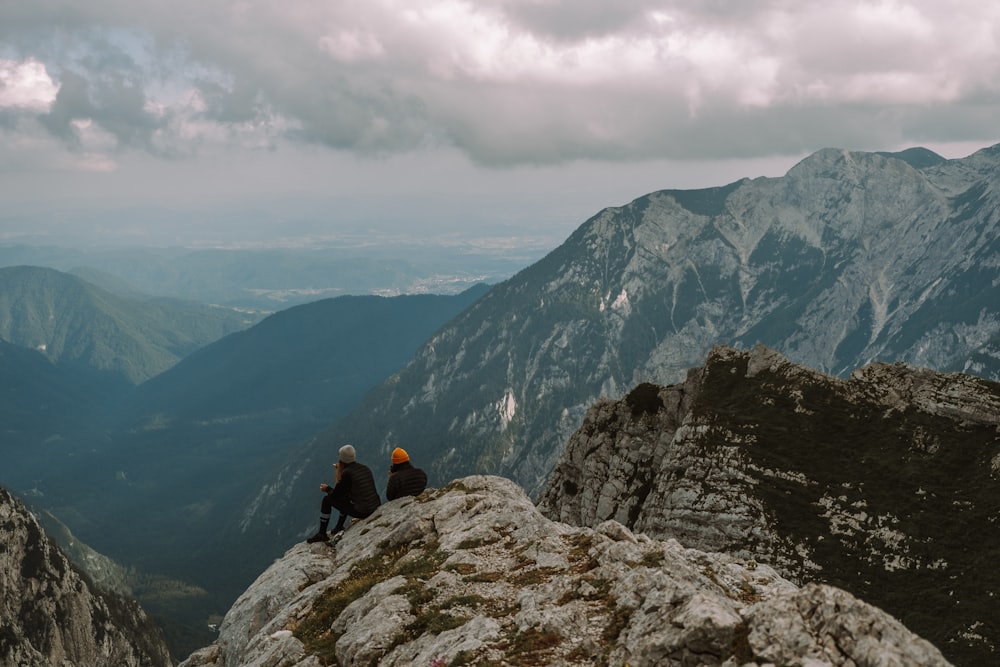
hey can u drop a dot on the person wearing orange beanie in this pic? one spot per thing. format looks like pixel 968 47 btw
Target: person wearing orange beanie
pixel 404 479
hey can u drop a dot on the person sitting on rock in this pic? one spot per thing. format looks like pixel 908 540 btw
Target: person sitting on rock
pixel 404 479
pixel 353 495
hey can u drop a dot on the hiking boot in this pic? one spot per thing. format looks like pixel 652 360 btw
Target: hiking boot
pixel 321 536
pixel 336 529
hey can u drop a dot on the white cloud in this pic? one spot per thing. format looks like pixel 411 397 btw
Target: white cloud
pixel 26 85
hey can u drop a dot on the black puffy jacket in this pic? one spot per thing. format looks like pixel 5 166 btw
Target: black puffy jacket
pixel 405 480
pixel 358 486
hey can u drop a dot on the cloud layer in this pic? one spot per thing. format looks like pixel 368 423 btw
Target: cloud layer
pixel 507 82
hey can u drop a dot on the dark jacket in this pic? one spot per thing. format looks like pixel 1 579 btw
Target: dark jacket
pixel 405 480
pixel 357 486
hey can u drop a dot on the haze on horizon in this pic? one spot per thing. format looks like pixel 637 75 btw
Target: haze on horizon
pixel 247 122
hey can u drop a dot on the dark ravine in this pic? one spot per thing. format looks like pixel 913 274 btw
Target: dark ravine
pixel 883 483
pixel 51 614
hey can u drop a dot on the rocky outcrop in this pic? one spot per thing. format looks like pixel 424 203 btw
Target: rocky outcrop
pixel 473 574
pixel 50 614
pixel 883 483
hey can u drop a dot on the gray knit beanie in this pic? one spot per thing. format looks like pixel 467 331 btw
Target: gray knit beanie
pixel 347 454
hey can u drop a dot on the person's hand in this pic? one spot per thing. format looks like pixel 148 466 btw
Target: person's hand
pixel 324 487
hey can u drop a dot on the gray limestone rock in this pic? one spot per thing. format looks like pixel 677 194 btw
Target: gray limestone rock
pixel 488 579
pixel 883 483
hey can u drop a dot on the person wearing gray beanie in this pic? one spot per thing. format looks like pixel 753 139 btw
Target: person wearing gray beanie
pixel 354 494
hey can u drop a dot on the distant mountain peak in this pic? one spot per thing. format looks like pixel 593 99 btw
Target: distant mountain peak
pixel 917 157
pixel 704 201
pixel 125 335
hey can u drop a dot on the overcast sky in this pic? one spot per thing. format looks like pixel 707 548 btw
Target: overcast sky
pixel 305 116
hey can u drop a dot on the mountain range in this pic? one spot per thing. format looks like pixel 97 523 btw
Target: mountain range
pixel 74 322
pixel 848 259
pixel 280 276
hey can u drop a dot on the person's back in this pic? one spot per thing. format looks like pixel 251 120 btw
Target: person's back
pixel 361 488
pixel 404 478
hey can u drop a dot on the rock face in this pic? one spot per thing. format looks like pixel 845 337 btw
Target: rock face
pixel 51 616
pixel 884 483
pixel 473 574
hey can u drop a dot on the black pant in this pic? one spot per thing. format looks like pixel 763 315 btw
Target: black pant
pixel 342 505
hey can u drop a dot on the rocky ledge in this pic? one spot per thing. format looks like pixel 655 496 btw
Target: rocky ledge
pixel 472 573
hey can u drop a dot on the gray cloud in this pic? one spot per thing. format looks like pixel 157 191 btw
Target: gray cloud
pixel 513 81
pixel 577 19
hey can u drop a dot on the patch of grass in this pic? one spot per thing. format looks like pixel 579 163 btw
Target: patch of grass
pixel 534 576
pixel 430 619
pixel 532 648
pixel 463 658
pixel 653 558
pixel 314 631
pixel 498 610
pixel 579 553
pixel 434 620
pixel 747 594
pixel 460 568
pixel 455 485
pixel 602 589
pixel 619 619
pixel 416 593
pixel 422 565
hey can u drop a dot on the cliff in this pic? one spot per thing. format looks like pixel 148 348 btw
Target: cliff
pixel 51 615
pixel 473 574
pixel 883 483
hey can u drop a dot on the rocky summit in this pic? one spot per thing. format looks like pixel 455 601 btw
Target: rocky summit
pixel 883 483
pixel 473 573
pixel 50 614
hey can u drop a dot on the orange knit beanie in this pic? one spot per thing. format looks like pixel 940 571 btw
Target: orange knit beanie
pixel 399 455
